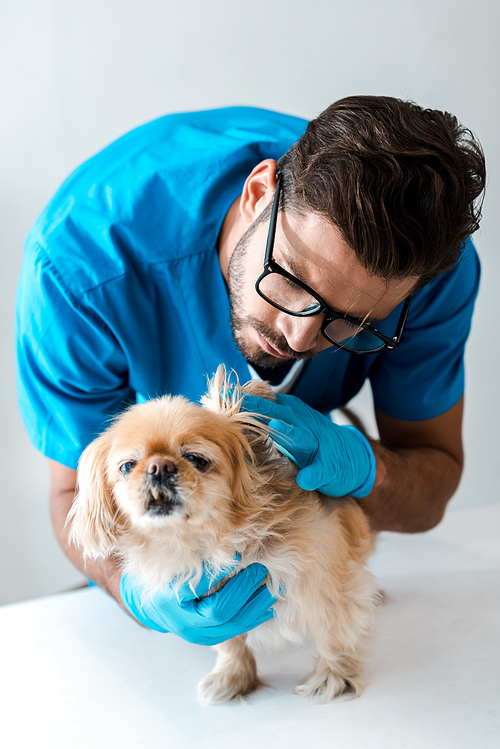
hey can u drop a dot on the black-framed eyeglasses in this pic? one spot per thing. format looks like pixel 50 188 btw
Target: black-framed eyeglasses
pixel 290 295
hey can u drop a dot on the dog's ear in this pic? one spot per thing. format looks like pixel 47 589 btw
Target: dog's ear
pixel 93 515
pixel 225 394
pixel 260 388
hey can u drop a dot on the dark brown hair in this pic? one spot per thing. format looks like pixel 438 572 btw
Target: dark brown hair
pixel 403 184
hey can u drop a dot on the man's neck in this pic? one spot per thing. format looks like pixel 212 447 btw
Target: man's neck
pixel 274 375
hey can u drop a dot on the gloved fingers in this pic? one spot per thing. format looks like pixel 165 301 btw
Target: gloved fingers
pixel 184 592
pixel 256 611
pixel 300 442
pixel 286 408
pixel 310 478
pixel 264 407
pixel 226 604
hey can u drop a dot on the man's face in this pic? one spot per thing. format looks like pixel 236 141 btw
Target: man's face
pixel 314 251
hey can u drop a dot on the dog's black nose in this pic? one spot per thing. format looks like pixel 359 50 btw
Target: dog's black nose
pixel 161 468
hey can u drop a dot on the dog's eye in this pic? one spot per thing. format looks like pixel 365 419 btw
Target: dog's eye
pixel 127 467
pixel 198 462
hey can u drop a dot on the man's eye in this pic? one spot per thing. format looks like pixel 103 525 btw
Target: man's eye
pixel 198 462
pixel 127 467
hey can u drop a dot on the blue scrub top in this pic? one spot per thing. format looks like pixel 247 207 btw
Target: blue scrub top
pixel 121 297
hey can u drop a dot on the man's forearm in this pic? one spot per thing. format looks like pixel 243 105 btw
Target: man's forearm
pixel 412 488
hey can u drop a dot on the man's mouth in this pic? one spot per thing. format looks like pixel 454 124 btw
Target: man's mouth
pixel 270 349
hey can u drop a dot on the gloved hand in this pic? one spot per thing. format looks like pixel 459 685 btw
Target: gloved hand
pixel 238 607
pixel 336 460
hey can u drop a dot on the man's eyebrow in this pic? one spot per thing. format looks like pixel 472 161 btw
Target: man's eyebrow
pixel 293 268
pixel 295 271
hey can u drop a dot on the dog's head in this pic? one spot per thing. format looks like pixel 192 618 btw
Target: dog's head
pixel 170 462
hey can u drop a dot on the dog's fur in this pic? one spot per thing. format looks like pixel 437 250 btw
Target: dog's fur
pixel 245 501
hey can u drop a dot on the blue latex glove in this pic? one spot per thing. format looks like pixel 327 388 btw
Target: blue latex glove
pixel 238 607
pixel 336 460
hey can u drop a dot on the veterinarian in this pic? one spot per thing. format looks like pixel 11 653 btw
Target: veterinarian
pixel 315 256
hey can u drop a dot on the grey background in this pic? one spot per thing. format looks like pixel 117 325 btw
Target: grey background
pixel 75 75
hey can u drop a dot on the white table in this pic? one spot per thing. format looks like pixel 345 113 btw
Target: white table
pixel 77 672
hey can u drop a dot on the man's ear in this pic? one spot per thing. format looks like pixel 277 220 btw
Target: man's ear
pixel 258 189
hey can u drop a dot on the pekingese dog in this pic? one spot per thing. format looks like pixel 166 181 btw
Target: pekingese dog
pixel 233 494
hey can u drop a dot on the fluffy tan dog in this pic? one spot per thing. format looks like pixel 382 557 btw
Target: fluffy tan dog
pixel 234 494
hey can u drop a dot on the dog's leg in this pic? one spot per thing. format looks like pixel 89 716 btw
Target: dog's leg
pixel 335 673
pixel 342 639
pixel 234 675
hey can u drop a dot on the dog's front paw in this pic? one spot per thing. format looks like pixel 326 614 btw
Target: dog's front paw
pixel 324 685
pixel 223 686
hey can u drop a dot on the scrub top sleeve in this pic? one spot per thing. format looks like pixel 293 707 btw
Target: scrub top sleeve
pixel 425 376
pixel 71 373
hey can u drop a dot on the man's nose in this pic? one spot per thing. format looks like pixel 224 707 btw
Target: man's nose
pixel 302 333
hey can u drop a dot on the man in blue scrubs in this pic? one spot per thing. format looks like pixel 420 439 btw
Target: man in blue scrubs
pixel 315 258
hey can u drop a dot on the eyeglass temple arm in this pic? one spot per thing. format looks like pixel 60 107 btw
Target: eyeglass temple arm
pixel 402 320
pixel 272 222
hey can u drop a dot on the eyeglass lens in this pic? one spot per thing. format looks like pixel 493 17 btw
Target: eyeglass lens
pixel 287 294
pixel 349 335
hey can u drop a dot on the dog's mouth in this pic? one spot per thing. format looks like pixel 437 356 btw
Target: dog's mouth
pixel 162 500
pixel 162 504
